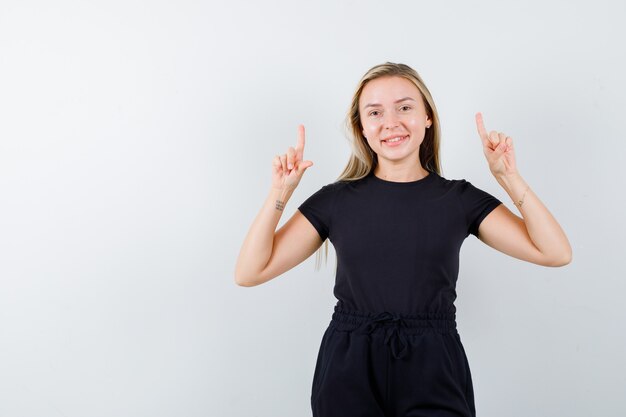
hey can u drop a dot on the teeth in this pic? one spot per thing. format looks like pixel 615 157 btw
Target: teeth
pixel 394 139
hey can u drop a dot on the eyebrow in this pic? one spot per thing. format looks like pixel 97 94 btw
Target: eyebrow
pixel 397 101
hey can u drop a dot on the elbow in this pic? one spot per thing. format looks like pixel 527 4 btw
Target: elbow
pixel 567 256
pixel 243 280
pixel 563 260
pixel 244 283
pixel 250 277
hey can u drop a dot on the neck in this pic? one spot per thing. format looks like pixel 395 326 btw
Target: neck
pixel 401 174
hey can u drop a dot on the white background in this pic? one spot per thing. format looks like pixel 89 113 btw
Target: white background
pixel 136 141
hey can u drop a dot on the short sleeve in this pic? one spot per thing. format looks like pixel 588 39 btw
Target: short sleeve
pixel 477 204
pixel 318 208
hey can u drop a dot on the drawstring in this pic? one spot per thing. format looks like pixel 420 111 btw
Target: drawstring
pixel 394 336
pixel 395 326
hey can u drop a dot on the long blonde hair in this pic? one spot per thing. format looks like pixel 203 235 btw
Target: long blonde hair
pixel 363 159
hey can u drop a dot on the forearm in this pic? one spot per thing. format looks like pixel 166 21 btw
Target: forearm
pixel 259 242
pixel 542 227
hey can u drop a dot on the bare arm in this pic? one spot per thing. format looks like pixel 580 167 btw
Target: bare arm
pixel 259 242
pixel 266 253
pixel 538 237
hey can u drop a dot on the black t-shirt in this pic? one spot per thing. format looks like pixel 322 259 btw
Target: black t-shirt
pixel 398 243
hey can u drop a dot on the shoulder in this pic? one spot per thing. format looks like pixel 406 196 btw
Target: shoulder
pixel 332 188
pixel 452 184
pixel 339 186
pixel 455 183
pixel 324 196
pixel 466 192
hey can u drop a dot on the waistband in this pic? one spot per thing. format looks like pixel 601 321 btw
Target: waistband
pixel 395 326
pixel 353 319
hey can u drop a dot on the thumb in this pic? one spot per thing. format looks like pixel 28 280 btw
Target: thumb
pixel 500 148
pixel 302 166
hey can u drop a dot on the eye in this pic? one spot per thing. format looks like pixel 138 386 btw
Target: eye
pixel 372 112
pixel 407 107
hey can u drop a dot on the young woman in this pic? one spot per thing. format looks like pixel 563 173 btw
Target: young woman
pixel 392 348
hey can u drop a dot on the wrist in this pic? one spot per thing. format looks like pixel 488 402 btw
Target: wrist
pixel 281 191
pixel 510 180
pixel 278 197
pixel 515 186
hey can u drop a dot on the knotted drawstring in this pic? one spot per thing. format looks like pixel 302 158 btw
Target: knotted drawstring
pixel 394 336
pixel 395 325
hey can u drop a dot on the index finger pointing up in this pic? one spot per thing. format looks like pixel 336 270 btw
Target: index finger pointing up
pixel 482 132
pixel 300 145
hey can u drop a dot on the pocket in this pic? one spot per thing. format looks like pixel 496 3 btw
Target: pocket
pixel 323 359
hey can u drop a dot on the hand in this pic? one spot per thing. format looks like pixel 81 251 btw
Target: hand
pixel 498 149
pixel 287 169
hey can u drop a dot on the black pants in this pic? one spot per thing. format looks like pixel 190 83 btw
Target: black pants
pixel 386 365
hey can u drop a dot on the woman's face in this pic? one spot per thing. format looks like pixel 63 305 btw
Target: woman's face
pixel 392 107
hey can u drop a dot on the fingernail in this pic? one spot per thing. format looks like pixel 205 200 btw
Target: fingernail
pixel 290 166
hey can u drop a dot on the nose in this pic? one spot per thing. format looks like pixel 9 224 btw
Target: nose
pixel 391 121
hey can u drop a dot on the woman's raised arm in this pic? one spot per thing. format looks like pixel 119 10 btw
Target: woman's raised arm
pixel 266 253
pixel 537 237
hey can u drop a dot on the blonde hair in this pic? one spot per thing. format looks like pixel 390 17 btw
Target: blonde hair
pixel 363 159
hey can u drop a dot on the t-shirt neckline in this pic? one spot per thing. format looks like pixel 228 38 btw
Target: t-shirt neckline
pixel 422 180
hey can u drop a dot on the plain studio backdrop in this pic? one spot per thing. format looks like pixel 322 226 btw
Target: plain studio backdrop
pixel 136 141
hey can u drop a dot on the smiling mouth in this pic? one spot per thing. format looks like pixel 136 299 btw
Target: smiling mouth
pixel 396 139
